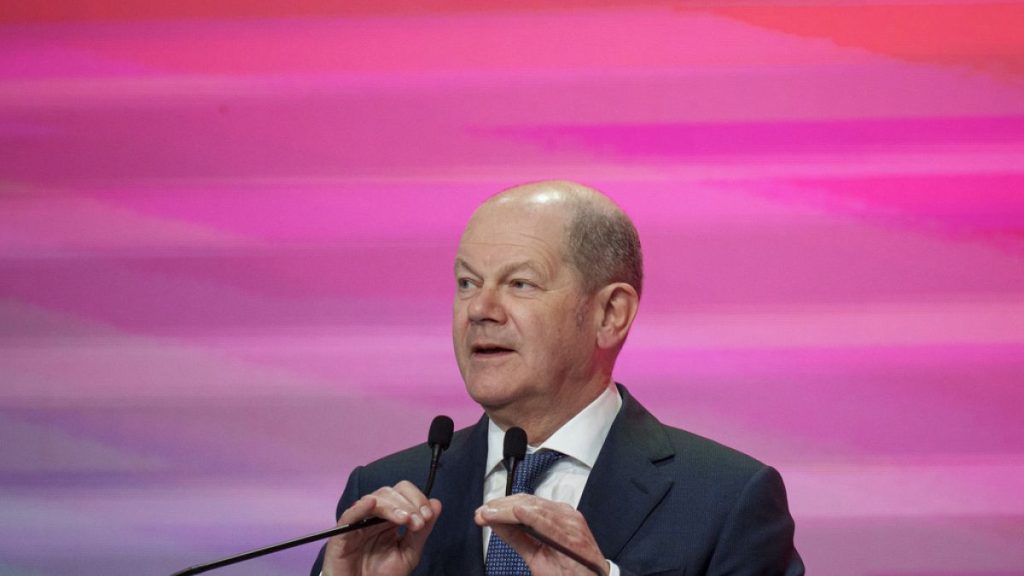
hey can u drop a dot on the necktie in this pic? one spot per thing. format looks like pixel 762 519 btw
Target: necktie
pixel 502 560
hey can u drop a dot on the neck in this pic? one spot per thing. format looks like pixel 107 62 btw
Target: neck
pixel 542 420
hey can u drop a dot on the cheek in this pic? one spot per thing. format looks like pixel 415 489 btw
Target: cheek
pixel 459 319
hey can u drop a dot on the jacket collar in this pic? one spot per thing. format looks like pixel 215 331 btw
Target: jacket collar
pixel 626 484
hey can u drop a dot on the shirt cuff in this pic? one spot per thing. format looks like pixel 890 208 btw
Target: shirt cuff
pixel 613 569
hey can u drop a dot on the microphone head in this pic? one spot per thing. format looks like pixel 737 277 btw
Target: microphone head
pixel 515 443
pixel 441 430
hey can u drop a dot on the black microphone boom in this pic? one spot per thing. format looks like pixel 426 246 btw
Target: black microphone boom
pixel 439 438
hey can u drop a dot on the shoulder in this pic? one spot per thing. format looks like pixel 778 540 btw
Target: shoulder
pixel 397 466
pixel 411 464
pixel 700 453
pixel 703 462
pixel 721 511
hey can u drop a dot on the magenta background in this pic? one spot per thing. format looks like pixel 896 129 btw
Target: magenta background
pixel 226 238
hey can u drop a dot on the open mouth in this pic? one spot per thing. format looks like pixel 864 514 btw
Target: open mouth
pixel 490 351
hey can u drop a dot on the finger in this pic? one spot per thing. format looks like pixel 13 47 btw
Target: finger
pixel 363 508
pixel 500 510
pixel 415 497
pixel 553 519
pixel 344 544
pixel 394 507
pixel 415 540
pixel 556 524
pixel 493 516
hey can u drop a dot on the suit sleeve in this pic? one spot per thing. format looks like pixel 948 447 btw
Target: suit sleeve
pixel 757 538
pixel 348 498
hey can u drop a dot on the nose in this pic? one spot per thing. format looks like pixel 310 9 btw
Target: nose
pixel 486 306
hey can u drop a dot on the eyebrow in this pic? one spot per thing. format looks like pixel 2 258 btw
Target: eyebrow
pixel 504 270
pixel 460 263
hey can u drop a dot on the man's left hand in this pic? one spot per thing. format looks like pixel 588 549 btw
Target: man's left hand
pixel 555 521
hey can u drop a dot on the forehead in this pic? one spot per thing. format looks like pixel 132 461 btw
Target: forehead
pixel 514 230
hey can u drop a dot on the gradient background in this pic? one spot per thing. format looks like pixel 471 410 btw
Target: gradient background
pixel 226 236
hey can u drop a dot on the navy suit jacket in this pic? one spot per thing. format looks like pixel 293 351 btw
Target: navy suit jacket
pixel 659 501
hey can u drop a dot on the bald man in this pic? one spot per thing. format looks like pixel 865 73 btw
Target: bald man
pixel 548 280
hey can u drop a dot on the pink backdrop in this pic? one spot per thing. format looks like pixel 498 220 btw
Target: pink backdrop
pixel 226 237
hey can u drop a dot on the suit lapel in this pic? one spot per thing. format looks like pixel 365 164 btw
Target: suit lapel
pixel 625 485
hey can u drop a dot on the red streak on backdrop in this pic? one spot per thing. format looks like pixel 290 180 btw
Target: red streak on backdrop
pixel 984 36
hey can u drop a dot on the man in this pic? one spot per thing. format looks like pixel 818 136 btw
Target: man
pixel 548 281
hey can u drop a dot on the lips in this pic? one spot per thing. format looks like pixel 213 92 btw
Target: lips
pixel 489 350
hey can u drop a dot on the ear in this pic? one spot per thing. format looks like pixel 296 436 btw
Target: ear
pixel 618 306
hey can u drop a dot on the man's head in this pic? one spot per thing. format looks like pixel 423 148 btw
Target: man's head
pixel 548 277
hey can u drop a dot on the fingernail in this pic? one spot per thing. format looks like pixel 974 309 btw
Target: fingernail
pixel 401 513
pixel 426 512
pixel 417 522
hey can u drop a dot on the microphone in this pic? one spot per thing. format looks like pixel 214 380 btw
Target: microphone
pixel 439 438
pixel 514 453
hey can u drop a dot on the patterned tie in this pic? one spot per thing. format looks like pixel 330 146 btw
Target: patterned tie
pixel 502 560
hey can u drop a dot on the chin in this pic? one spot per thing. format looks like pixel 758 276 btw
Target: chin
pixel 490 393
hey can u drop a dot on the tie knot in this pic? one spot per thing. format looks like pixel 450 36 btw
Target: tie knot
pixel 532 469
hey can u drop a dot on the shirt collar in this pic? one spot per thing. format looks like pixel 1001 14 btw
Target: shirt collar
pixel 580 438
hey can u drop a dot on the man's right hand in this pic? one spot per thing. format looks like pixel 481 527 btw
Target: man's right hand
pixel 380 550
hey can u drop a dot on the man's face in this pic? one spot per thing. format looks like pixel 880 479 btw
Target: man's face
pixel 517 330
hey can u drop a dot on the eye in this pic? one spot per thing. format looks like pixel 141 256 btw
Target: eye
pixel 464 283
pixel 519 284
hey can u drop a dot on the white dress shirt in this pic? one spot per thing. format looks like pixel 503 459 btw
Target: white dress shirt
pixel 580 439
